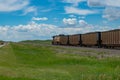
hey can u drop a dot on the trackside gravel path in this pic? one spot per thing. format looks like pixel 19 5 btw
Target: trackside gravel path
pixel 88 51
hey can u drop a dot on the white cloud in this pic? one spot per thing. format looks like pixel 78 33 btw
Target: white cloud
pixel 12 5
pixel 34 31
pixel 111 13
pixel 30 9
pixel 112 8
pixel 100 3
pixel 96 3
pixel 74 2
pixel 113 3
pixel 74 10
pixel 39 19
pixel 72 16
pixel 70 21
pixel 83 23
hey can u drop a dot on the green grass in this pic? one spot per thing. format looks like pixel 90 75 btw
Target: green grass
pixel 40 42
pixel 38 60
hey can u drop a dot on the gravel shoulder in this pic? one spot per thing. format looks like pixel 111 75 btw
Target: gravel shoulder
pixel 88 51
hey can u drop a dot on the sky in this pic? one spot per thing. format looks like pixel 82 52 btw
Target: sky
pixel 42 19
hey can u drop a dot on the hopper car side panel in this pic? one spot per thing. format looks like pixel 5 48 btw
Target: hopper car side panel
pixel 64 40
pixel 111 38
pixel 75 39
pixel 91 39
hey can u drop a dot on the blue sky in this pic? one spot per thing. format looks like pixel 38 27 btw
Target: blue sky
pixel 41 19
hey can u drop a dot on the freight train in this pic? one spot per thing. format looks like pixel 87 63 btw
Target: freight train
pixel 108 39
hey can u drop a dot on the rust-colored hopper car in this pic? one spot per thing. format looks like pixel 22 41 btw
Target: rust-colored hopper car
pixel 99 39
pixel 91 39
pixel 111 38
pixel 75 40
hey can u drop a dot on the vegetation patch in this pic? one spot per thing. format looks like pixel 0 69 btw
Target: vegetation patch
pixel 39 60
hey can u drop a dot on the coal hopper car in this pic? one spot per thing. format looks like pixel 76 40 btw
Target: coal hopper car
pixel 91 39
pixel 111 38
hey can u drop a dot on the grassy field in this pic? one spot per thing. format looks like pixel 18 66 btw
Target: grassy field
pixel 38 60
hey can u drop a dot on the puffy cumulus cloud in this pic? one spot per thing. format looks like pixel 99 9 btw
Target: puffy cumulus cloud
pixel 12 5
pixel 29 31
pixel 111 13
pixel 100 3
pixel 35 31
pixel 39 19
pixel 74 10
pixel 73 22
pixel 74 2
pixel 83 23
pixel 70 21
